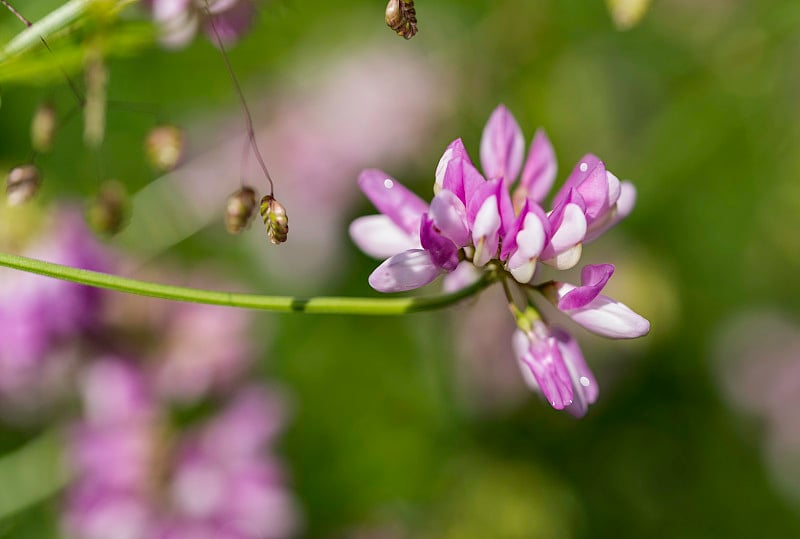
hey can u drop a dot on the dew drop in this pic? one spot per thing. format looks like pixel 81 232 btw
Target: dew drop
pixel 584 381
pixel 584 167
pixel 387 183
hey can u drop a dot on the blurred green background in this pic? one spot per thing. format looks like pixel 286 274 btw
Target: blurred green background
pixel 697 105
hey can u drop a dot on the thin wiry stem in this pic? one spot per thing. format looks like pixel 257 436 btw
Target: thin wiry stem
pixel 286 304
pixel 251 134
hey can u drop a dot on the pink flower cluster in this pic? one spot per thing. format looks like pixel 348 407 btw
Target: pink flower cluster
pixel 137 479
pixel 475 224
pixel 135 473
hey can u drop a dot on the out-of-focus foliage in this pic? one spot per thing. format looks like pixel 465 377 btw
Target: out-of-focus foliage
pixel 697 104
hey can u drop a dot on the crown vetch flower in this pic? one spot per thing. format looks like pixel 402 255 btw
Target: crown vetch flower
pixel 476 223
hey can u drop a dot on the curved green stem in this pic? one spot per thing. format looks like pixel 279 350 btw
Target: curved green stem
pixel 322 305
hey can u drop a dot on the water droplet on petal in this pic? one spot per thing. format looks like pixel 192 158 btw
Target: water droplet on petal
pixel 584 167
pixel 387 183
pixel 584 381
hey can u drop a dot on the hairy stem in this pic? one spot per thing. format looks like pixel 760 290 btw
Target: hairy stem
pixel 286 304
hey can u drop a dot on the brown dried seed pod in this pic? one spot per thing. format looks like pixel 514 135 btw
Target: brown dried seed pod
pixel 22 184
pixel 107 214
pixel 275 219
pixel 164 147
pixel 401 16
pixel 240 209
pixel 43 128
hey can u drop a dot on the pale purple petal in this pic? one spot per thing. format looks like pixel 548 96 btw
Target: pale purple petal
pixel 393 199
pixel 462 178
pixel 406 271
pixel 543 357
pixel 624 207
pixel 443 252
pixel 379 237
pixel 450 216
pixel 454 151
pixel 502 146
pixel 540 169
pixel 584 385
pixel 593 279
pixel 604 316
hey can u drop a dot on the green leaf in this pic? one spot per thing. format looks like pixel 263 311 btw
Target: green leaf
pixel 31 474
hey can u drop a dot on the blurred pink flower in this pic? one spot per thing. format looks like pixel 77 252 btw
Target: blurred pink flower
pixel 41 317
pixel 757 358
pixel 334 110
pixel 179 20
pixel 220 480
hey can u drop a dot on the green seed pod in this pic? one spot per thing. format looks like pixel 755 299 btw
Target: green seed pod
pixel 164 147
pixel 275 219
pixel 22 184
pixel 240 210
pixel 107 214
pixel 43 128
pixel 401 16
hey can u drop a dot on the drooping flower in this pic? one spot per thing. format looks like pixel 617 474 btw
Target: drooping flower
pixel 477 224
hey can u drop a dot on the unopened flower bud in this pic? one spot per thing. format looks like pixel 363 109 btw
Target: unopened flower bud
pixel 240 210
pixel 164 147
pixel 108 212
pixel 275 219
pixel 43 128
pixel 402 17
pixel 22 184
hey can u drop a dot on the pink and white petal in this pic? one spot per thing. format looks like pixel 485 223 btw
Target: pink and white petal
pixel 405 271
pixel 540 169
pixel 379 237
pixel 444 252
pixel 463 276
pixel 581 171
pixel 604 316
pixel 593 279
pixel 393 199
pixel 486 232
pixel 543 358
pixel 613 188
pixel 450 216
pixel 455 150
pixel 568 234
pixel 624 207
pixel 584 385
pixel 502 146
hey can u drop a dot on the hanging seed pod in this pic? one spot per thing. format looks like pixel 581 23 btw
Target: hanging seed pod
pixel 275 219
pixel 240 210
pixel 22 184
pixel 401 16
pixel 107 214
pixel 164 147
pixel 43 128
